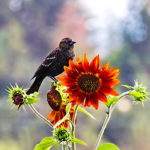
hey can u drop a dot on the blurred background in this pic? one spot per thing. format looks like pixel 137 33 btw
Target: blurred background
pixel 117 30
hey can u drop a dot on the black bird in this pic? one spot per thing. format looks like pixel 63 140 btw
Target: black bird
pixel 54 63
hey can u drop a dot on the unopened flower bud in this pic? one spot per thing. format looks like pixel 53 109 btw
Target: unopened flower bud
pixel 54 99
pixel 16 95
pixel 61 134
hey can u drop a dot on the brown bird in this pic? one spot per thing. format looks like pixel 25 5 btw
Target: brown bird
pixel 54 63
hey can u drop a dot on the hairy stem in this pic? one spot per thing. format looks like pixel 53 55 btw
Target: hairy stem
pixel 108 116
pixel 73 127
pixel 40 115
pixel 63 147
pixel 67 145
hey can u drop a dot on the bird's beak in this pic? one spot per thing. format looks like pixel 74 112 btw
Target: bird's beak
pixel 72 42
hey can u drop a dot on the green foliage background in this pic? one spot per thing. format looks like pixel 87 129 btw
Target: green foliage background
pixel 30 28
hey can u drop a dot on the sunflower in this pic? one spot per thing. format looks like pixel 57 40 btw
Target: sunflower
pixel 55 116
pixel 87 83
pixel 17 95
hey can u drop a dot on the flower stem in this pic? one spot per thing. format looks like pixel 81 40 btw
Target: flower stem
pixel 73 127
pixel 67 145
pixel 63 147
pixel 40 115
pixel 108 116
pixel 120 97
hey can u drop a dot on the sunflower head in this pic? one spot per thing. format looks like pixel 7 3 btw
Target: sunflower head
pixel 61 134
pixel 19 97
pixel 16 96
pixel 87 83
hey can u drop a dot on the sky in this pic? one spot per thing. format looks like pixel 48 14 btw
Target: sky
pixel 104 15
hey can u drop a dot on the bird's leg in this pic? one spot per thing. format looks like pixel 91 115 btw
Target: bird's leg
pixel 54 79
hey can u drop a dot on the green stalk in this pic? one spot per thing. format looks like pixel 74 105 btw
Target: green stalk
pixel 40 115
pixel 107 118
pixel 63 147
pixel 67 145
pixel 73 127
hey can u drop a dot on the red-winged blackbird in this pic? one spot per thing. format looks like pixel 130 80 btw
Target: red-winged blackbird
pixel 54 63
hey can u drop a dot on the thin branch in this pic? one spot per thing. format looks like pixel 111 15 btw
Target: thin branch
pixel 40 115
pixel 73 127
pixel 107 118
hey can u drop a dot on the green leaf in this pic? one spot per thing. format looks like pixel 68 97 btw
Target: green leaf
pixel 46 144
pixel 135 94
pixel 75 140
pixel 32 100
pixel 111 101
pixel 108 146
pixel 127 86
pixel 36 94
pixel 86 112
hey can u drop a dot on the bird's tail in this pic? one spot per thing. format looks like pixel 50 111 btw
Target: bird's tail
pixel 35 86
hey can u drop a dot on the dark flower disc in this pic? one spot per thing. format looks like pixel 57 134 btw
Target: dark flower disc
pixel 54 99
pixel 18 99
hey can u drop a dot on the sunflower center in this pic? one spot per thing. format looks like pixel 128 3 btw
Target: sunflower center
pixel 88 83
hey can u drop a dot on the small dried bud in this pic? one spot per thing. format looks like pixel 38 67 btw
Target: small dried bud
pixel 17 99
pixel 16 96
pixel 54 99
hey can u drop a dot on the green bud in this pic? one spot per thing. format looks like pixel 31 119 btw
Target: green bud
pixel 16 96
pixel 139 92
pixel 19 97
pixel 61 134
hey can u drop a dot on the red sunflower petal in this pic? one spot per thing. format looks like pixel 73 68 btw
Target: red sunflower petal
pixel 79 68
pixel 52 115
pixel 101 96
pixel 94 65
pixel 81 97
pixel 114 73
pixel 94 101
pixel 71 64
pixel 72 89
pixel 76 68
pixel 74 95
pixel 70 73
pixel 65 78
pixel 111 73
pixel 68 83
pixel 105 67
pixel 78 60
pixel 109 90
pixel 110 82
pixel 87 100
pixel 85 63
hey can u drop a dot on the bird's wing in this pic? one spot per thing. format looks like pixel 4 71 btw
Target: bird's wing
pixel 49 62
